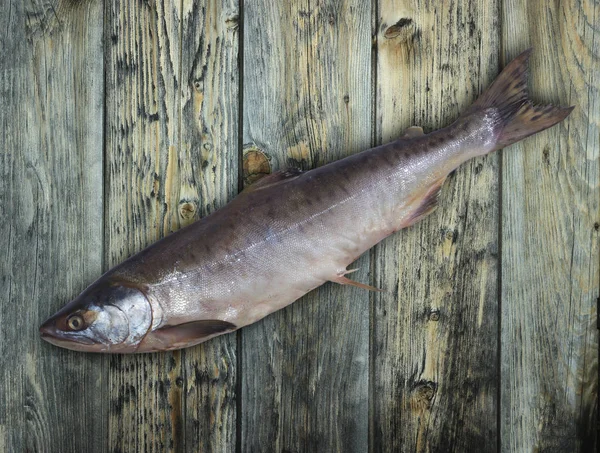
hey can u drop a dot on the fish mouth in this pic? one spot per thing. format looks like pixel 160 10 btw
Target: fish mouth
pixel 69 340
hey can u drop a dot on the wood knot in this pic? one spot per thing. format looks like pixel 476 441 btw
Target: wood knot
pixel 233 22
pixel 403 30
pixel 187 210
pixel 43 19
pixel 422 395
pixel 256 165
pixel 434 314
pixel 546 155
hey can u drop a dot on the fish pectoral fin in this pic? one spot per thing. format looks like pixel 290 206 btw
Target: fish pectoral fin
pixel 191 332
pixel 346 281
pixel 413 131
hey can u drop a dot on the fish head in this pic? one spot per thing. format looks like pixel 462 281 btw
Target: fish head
pixel 109 316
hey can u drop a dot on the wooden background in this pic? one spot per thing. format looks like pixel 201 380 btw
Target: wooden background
pixel 123 121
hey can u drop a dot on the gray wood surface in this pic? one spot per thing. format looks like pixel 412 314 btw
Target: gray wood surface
pixel 208 178
pixel 307 101
pixel 550 215
pixel 435 349
pixel 171 157
pixel 142 119
pixel 123 121
pixel 51 89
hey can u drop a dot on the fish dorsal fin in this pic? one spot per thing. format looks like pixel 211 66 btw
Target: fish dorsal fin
pixel 190 333
pixel 274 178
pixel 413 131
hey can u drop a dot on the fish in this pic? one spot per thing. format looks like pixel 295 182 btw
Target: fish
pixel 289 233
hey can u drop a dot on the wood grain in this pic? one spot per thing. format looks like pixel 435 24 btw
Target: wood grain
pixel 208 178
pixel 550 215
pixel 434 342
pixel 307 101
pixel 142 169
pixel 485 338
pixel 172 152
pixel 51 87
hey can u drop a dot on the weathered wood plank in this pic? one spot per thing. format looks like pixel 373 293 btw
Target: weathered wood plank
pixel 307 101
pixel 208 178
pixel 142 163
pixel 550 249
pixel 434 343
pixel 51 85
pixel 172 144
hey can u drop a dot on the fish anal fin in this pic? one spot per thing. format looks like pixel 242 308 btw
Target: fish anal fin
pixel 274 178
pixel 428 204
pixel 346 281
pixel 413 131
pixel 190 333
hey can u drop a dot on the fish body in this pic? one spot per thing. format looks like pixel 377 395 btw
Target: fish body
pixel 287 234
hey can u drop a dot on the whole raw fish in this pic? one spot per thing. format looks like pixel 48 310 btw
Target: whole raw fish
pixel 288 234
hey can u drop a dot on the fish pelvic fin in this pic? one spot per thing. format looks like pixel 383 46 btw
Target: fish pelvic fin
pixel 518 117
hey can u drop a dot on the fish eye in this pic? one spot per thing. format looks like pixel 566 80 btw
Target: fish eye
pixel 75 322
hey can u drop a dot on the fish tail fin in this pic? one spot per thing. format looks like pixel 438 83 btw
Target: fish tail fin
pixel 517 116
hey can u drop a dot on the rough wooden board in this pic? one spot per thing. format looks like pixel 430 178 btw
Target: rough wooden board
pixel 307 101
pixel 208 178
pixel 297 395
pixel 175 133
pixel 434 341
pixel 550 266
pixel 142 167
pixel 51 84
